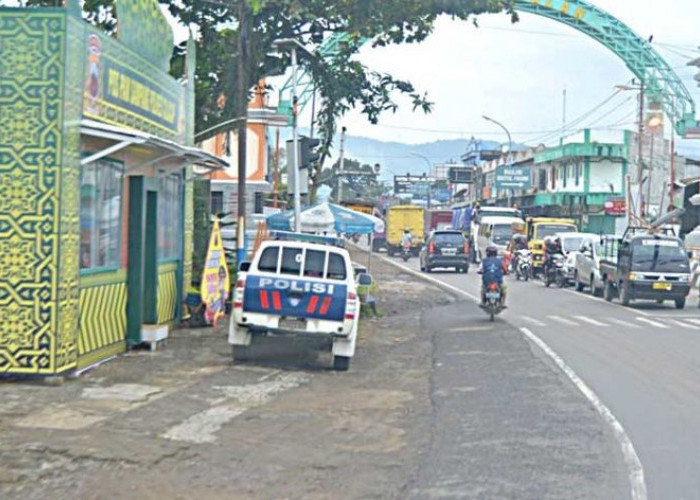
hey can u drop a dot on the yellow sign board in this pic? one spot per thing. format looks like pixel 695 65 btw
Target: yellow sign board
pixel 216 281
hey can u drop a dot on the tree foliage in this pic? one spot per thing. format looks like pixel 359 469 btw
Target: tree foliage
pixel 359 180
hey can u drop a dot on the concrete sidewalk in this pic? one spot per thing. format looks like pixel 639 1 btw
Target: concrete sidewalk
pixel 185 422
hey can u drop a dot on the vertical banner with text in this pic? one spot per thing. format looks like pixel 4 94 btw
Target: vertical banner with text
pixel 216 281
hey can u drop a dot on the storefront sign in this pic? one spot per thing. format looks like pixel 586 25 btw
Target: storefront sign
pixel 615 206
pixel 216 281
pixel 124 91
pixel 512 178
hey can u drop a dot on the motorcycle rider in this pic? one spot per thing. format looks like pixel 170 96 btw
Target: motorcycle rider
pixel 552 247
pixel 492 270
pixel 519 242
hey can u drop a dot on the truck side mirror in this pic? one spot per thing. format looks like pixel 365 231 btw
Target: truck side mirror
pixel 244 267
pixel 364 279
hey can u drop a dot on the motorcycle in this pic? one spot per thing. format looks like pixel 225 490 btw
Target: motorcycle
pixel 493 300
pixel 407 252
pixel 555 272
pixel 523 264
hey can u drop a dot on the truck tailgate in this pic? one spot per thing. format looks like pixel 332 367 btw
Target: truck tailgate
pixel 295 297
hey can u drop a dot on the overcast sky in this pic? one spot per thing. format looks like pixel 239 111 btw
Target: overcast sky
pixel 516 73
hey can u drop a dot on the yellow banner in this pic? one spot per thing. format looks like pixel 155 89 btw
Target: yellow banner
pixel 216 281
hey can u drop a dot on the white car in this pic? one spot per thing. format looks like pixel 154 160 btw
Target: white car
pixel 587 267
pixel 300 289
pixel 571 244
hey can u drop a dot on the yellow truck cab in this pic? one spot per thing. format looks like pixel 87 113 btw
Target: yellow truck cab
pixel 538 228
pixel 400 217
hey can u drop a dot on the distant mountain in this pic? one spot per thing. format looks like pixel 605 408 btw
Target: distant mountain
pixel 396 158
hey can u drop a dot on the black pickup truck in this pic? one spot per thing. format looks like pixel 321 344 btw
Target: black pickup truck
pixel 645 266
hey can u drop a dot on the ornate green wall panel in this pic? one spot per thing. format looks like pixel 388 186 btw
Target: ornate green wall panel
pixel 34 339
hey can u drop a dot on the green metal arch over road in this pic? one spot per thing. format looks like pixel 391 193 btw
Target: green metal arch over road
pixel 662 83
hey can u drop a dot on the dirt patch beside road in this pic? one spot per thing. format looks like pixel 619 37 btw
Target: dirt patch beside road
pixel 184 422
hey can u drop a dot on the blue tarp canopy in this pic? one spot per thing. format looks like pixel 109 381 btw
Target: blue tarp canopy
pixel 326 218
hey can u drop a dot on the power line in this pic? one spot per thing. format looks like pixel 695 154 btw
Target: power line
pixel 570 127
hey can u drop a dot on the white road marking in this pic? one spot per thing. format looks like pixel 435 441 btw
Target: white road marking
pixel 685 325
pixel 564 321
pixel 533 321
pixel 203 426
pixel 591 321
pixel 602 301
pixel 634 465
pixel 461 329
pixel 653 323
pixel 692 320
pixel 623 323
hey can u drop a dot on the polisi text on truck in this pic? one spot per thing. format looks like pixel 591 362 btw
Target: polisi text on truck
pixel 296 286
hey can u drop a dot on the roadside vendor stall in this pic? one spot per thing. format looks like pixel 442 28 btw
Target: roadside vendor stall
pixel 95 191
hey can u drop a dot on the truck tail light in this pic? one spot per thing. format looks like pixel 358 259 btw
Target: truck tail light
pixel 351 306
pixel 431 247
pixel 238 294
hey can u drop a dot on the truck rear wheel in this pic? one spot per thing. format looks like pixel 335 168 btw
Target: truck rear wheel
pixel 341 363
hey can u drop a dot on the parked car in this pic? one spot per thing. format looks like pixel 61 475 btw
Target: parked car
pixel 587 267
pixel 445 249
pixel 571 245
pixel 297 289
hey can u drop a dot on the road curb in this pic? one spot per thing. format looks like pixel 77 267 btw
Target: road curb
pixel 453 291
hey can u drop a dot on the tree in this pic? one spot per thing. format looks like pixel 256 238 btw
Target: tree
pixel 359 181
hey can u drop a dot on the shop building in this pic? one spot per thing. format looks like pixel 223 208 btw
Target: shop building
pixel 95 192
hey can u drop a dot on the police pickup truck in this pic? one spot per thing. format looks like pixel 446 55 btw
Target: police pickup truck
pixel 300 289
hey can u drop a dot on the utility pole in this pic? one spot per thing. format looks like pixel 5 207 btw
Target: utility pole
pixel 563 119
pixel 640 150
pixel 242 111
pixel 342 164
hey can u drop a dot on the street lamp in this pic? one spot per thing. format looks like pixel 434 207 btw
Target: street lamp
pixel 292 45
pixel 510 149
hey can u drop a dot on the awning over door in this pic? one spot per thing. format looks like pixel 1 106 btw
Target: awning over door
pixel 166 156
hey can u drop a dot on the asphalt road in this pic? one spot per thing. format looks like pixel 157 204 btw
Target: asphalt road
pixel 643 362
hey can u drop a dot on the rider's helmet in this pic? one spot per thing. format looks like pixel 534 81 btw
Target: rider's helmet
pixel 491 251
pixel 519 238
pixel 406 230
